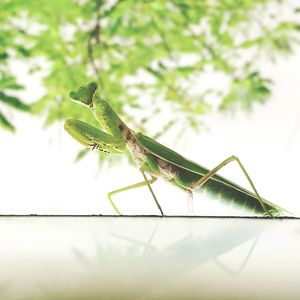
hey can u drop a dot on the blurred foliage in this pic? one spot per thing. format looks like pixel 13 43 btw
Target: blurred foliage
pixel 143 52
pixel 7 84
pixel 14 102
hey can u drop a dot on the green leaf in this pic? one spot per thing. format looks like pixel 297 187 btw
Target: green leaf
pixel 5 123
pixel 81 154
pixel 9 82
pixel 3 55
pixel 155 73
pixel 14 102
pixel 23 51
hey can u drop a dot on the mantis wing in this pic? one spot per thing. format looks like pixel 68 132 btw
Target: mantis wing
pixel 178 160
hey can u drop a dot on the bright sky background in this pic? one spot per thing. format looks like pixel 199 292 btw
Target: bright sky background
pixel 38 173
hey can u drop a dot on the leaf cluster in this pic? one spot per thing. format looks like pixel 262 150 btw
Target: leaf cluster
pixel 8 84
pixel 147 55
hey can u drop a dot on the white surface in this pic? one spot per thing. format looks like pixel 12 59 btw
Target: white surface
pixel 149 258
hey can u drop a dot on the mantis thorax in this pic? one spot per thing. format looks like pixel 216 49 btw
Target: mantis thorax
pixel 108 118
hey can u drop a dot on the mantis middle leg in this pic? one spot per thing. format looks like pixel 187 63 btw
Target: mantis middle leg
pixel 133 186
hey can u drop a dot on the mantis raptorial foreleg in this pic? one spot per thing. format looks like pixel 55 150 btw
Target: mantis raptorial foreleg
pixel 130 187
pixel 207 176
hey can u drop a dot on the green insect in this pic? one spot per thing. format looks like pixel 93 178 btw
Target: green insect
pixel 157 160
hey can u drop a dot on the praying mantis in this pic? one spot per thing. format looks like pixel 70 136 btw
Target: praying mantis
pixel 157 160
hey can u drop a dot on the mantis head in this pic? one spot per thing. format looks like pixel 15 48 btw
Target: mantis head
pixel 85 94
pixel 113 139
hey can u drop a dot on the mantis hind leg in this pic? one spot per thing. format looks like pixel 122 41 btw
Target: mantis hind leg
pixel 207 176
pixel 184 179
pixel 130 187
pixel 190 203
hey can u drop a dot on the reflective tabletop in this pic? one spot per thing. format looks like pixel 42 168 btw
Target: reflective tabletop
pixel 149 258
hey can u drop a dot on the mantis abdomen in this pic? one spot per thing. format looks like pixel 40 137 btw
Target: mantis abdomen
pixel 236 197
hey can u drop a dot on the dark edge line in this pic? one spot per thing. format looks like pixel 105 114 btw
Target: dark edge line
pixel 146 216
